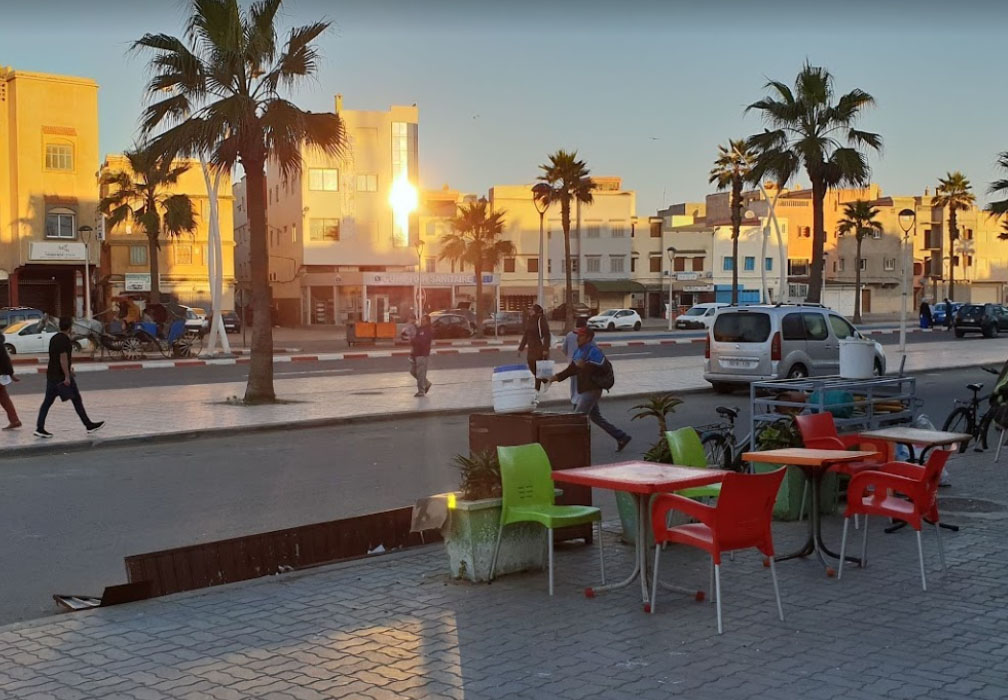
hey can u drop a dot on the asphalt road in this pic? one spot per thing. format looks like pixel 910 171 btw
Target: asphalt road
pixel 69 519
pixel 212 374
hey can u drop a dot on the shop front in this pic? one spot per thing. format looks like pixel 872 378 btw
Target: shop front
pixel 616 294
pixel 52 279
pixel 392 296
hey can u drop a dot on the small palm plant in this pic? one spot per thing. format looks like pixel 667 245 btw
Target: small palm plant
pixel 479 475
pixel 658 406
pixel 954 193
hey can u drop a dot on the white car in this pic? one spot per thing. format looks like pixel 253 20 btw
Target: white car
pixel 700 316
pixel 616 319
pixel 196 319
pixel 32 337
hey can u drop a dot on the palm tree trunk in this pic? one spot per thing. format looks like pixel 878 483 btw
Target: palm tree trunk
pixel 857 281
pixel 260 379
pixel 736 220
pixel 569 293
pixel 818 240
pixel 953 235
pixel 152 258
pixel 479 299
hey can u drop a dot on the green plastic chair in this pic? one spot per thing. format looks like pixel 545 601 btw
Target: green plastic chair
pixel 528 496
pixel 687 451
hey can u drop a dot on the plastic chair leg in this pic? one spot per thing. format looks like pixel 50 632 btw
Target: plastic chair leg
pixel 493 562
pixel 997 455
pixel 941 550
pixel 776 589
pixel 843 549
pixel 864 544
pixel 549 544
pixel 601 552
pixel 717 592
pixel 804 500
pixel 920 556
pixel 711 588
pixel 654 583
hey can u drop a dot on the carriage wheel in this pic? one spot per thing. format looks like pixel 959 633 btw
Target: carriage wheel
pixel 132 348
pixel 165 348
pixel 189 345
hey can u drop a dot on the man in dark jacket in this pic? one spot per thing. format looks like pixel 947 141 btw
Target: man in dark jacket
pixel 6 377
pixel 536 340
pixel 420 355
pixel 60 381
pixel 587 365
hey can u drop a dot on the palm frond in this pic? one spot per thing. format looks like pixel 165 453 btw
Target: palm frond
pixel 179 215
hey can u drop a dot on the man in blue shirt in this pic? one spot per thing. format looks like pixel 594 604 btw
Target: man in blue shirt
pixel 588 363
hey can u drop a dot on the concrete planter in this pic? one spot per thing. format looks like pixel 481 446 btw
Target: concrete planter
pixel 788 503
pixel 470 536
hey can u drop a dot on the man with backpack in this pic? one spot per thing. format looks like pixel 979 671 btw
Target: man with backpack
pixel 594 374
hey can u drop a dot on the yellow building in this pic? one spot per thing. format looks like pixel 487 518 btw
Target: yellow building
pixel 48 191
pixel 183 260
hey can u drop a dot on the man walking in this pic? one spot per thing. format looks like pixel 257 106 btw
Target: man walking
pixel 536 340
pixel 420 355
pixel 590 366
pixel 948 314
pixel 60 381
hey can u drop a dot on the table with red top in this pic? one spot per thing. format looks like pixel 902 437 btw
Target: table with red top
pixel 814 463
pixel 643 480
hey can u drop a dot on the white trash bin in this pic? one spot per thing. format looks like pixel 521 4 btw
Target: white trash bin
pixel 857 358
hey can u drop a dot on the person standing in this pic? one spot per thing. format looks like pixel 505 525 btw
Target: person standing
pixel 569 347
pixel 948 314
pixel 60 381
pixel 408 334
pixel 6 377
pixel 536 340
pixel 420 355
pixel 588 365
pixel 926 317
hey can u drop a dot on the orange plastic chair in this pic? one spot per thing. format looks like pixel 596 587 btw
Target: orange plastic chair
pixel 873 493
pixel 740 519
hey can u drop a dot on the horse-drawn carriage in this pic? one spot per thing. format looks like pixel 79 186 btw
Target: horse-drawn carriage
pixel 133 334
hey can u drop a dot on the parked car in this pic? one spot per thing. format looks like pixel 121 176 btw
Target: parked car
pixel 616 319
pixel 762 342
pixel 196 319
pixel 699 316
pixel 15 314
pixel 938 312
pixel 468 313
pixel 451 325
pixel 232 324
pixel 987 319
pixel 504 322
pixel 32 337
pixel 580 311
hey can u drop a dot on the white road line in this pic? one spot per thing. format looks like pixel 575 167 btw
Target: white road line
pixel 314 371
pixel 630 354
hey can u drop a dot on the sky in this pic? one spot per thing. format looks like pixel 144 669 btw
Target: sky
pixel 644 90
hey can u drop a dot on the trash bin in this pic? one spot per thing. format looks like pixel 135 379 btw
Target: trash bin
pixel 857 358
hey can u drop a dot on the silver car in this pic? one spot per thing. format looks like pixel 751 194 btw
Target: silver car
pixel 757 343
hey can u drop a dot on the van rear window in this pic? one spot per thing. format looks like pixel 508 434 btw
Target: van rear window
pixel 745 327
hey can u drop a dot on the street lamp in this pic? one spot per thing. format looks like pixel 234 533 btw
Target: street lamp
pixel 671 256
pixel 85 233
pixel 419 276
pixel 541 199
pixel 907 221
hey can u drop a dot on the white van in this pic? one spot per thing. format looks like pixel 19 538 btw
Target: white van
pixel 701 316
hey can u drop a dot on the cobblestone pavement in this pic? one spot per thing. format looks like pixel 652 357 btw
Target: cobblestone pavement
pixel 396 625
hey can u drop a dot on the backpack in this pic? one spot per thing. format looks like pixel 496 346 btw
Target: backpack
pixel 604 377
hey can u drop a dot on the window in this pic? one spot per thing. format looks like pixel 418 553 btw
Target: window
pixel 367 183
pixel 815 326
pixel 293 233
pixel 864 264
pixel 324 179
pixel 727 264
pixel 617 229
pixel 183 254
pixel 792 327
pixel 798 267
pixel 679 265
pixel 594 229
pixel 532 265
pixel 768 264
pixel 889 264
pixel 749 264
pixel 593 263
pixel 742 328
pixel 617 263
pixel 431 265
pixel 842 264
pixel 549 265
pixel 138 255
pixel 633 264
pixel 655 263
pixel 575 266
pixel 876 234
pixel 324 230
pixel 60 225
pixel 698 264
pixel 841 329
pixel 509 264
pixel 969 260
pixel 655 230
pixel 58 156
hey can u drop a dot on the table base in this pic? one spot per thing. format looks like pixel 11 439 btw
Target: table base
pixel 814 544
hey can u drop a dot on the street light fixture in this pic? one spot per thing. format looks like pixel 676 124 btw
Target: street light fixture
pixel 419 275
pixel 541 199
pixel 671 256
pixel 907 221
pixel 85 233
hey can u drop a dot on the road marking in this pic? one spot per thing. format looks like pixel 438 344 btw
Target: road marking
pixel 316 371
pixel 629 354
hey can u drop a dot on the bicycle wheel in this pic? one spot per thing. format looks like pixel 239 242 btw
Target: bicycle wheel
pixel 960 421
pixel 718 450
pixel 983 428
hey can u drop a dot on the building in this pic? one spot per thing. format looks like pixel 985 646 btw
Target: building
pixel 337 251
pixel 48 190
pixel 182 260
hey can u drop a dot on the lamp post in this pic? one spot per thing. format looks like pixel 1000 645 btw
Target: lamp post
pixel 907 220
pixel 540 198
pixel 85 236
pixel 671 256
pixel 419 277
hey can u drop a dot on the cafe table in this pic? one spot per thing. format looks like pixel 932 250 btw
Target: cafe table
pixel 814 463
pixel 643 480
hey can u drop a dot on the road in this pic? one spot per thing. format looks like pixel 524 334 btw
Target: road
pixel 69 519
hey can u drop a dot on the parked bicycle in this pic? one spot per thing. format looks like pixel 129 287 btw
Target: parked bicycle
pixel 719 443
pixel 967 418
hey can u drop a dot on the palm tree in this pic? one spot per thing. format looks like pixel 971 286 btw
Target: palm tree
pixel 731 169
pixel 567 178
pixel 1000 187
pixel 859 217
pixel 807 129
pixel 953 193
pixel 476 240
pixel 218 93
pixel 142 194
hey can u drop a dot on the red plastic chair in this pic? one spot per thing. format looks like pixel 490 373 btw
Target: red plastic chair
pixel 874 493
pixel 819 432
pixel 740 519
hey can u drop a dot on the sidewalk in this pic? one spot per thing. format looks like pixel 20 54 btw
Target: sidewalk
pixel 179 411
pixel 396 626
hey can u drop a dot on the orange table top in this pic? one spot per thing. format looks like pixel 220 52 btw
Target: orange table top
pixel 640 477
pixel 917 436
pixel 805 457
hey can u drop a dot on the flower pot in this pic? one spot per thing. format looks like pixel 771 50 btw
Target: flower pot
pixel 471 534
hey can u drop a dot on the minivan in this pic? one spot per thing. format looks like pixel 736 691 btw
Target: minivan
pixel 765 342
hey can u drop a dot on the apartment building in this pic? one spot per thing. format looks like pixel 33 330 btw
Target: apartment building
pixel 183 272
pixel 48 190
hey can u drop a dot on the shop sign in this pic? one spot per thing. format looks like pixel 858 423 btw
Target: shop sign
pixel 137 282
pixel 427 279
pixel 686 276
pixel 699 288
pixel 45 251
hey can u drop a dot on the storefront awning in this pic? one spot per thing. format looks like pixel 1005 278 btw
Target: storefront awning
pixel 521 290
pixel 616 286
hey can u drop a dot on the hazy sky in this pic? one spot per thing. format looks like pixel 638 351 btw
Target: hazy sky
pixel 642 90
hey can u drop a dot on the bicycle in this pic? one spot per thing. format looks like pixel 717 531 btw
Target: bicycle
pixel 718 440
pixel 966 416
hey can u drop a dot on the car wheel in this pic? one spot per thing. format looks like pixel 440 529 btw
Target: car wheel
pixel 993 331
pixel 10 349
pixel 77 346
pixel 959 333
pixel 636 326
pixel 797 372
pixel 877 370
pixel 611 326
